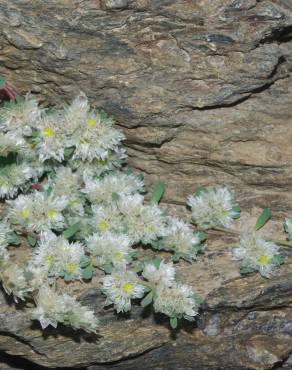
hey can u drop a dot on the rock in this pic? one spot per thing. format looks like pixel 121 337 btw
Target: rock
pixel 114 4
pixel 203 92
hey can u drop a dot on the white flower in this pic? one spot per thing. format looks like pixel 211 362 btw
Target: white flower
pixel 38 212
pixel 177 301
pixel 51 141
pixel 162 275
pixel 110 248
pixel 14 177
pixel 120 183
pixel 13 280
pixel 67 183
pixel 4 233
pixel 181 239
pixel 107 218
pixel 143 222
pixel 53 308
pixel 59 257
pixel 20 117
pixel 120 287
pixel 288 227
pixel 36 276
pixel 91 134
pixel 11 143
pixel 257 254
pixel 97 167
pixel 213 207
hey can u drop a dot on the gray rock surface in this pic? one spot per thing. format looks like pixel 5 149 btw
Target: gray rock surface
pixel 203 91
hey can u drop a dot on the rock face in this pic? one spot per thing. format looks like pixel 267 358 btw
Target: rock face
pixel 203 91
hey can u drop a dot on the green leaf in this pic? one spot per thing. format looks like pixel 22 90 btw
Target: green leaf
pixel 87 272
pixel 236 212
pixel 147 299
pixel 72 230
pixel 2 82
pixel 157 262
pixel 19 98
pixel 85 261
pixel 115 197
pixel 35 133
pixel 199 300
pixel 198 248
pixel 244 269
pixel 139 267
pixel 200 190
pixel 107 268
pixel 277 259
pixel 68 277
pixel 264 217
pixel 31 241
pixel 173 322
pixel 202 236
pixel 159 189
pixel 13 239
pixel 68 151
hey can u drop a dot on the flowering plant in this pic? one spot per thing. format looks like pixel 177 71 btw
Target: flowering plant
pixel 74 208
pixel 67 195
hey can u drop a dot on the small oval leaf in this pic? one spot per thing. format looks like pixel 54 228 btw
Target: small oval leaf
pixel 264 217
pixel 72 230
pixel 147 300
pixel 158 192
pixel 173 322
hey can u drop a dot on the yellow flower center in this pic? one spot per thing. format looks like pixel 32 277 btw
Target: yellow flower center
pixel 24 213
pixel 103 225
pixel 48 132
pixel 119 256
pixel 52 213
pixel 128 288
pixel 264 260
pixel 91 122
pixel 49 259
pixel 72 267
pixel 150 230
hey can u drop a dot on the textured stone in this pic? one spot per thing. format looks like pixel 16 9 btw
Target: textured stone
pixel 203 91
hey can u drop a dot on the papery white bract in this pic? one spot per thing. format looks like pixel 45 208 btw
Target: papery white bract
pixel 288 227
pixel 120 287
pixel 164 274
pixel 120 183
pixel 38 211
pixel 90 133
pixel 59 257
pixel 109 248
pixel 176 301
pixel 257 254
pixel 213 207
pixel 51 141
pixel 21 116
pixel 53 308
pixel 181 239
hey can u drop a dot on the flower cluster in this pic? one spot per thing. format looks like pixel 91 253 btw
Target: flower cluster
pixel 52 308
pixel 158 282
pixel 59 257
pixel 257 254
pixel 213 206
pixel 79 210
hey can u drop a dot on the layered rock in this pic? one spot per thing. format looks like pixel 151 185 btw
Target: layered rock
pixel 203 91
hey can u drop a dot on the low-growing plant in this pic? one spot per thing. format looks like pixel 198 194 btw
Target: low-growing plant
pixel 72 205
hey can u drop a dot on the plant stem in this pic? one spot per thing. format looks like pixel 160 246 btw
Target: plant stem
pixel 283 243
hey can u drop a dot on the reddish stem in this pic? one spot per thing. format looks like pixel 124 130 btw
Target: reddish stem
pixel 9 92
